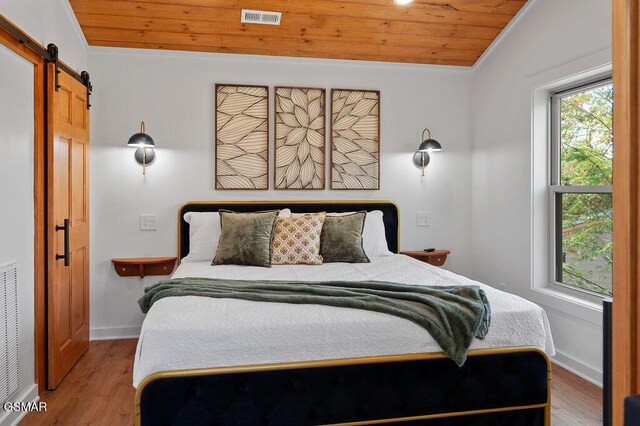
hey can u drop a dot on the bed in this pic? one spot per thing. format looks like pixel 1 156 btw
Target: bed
pixel 226 361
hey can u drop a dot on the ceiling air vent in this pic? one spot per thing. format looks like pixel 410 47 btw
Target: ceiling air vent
pixel 260 17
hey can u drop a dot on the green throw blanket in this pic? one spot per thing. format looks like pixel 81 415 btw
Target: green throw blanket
pixel 453 315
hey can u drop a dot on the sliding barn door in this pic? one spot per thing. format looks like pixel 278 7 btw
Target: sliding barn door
pixel 68 224
pixel 626 209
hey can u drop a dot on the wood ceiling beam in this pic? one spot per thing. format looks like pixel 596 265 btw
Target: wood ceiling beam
pixel 456 7
pixel 92 23
pixel 500 7
pixel 320 22
pixel 230 10
pixel 283 53
pixel 322 48
pixel 448 32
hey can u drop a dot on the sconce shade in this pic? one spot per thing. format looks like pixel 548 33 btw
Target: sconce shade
pixel 145 154
pixel 421 159
pixel 430 145
pixel 141 140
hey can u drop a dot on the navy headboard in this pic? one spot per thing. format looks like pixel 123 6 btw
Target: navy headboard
pixel 389 209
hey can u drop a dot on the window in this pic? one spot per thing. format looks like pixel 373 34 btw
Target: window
pixel 580 187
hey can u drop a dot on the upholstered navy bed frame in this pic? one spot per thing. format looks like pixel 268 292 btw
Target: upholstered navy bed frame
pixel 506 386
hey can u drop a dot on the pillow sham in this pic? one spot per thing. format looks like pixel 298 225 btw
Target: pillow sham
pixel 373 235
pixel 341 239
pixel 204 234
pixel 245 238
pixel 296 241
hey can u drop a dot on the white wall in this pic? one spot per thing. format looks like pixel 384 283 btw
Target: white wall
pixel 50 21
pixel 487 109
pixel 551 40
pixel 173 93
pixel 47 21
pixel 16 210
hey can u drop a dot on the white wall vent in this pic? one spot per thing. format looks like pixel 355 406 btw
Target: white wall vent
pixel 9 380
pixel 260 17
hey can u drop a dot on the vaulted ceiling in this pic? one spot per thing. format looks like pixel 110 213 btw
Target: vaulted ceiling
pixel 446 32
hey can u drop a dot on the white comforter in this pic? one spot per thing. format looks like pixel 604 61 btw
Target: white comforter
pixel 199 332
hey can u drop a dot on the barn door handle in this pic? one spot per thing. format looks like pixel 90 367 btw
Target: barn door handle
pixel 64 228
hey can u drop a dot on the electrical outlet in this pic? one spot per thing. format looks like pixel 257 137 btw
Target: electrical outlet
pixel 148 222
pixel 424 219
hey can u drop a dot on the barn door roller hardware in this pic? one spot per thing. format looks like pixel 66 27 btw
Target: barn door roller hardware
pixel 53 52
pixel 87 82
pixel 50 54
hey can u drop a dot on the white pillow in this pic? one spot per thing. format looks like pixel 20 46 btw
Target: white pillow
pixel 204 234
pixel 286 213
pixel 374 239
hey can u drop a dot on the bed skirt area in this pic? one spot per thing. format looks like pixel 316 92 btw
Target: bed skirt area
pixel 508 386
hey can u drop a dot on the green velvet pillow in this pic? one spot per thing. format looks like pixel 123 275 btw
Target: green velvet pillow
pixel 245 238
pixel 341 239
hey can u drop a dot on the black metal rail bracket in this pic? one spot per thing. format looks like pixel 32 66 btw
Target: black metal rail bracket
pixel 87 82
pixel 53 52
pixel 50 54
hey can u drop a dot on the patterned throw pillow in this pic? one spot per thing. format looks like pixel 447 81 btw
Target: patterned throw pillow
pixel 296 241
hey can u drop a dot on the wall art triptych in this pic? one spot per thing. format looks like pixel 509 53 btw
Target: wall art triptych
pixel 300 138
pixel 355 139
pixel 242 138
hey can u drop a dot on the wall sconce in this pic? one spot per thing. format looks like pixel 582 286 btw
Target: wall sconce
pixel 145 154
pixel 422 157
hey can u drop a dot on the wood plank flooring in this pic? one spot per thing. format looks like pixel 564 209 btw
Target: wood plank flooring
pixel 98 391
pixel 574 401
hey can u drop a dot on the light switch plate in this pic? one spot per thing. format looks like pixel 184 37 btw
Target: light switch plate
pixel 424 219
pixel 148 222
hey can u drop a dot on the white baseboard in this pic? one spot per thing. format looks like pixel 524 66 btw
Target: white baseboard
pixel 578 368
pixel 12 418
pixel 114 333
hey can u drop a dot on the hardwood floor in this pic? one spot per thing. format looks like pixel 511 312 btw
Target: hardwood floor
pixel 98 391
pixel 574 401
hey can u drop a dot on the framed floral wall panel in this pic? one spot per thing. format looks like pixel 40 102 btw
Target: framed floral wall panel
pixel 355 139
pixel 242 137
pixel 300 138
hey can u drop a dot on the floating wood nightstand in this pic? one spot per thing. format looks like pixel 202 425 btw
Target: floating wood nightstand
pixel 143 266
pixel 435 258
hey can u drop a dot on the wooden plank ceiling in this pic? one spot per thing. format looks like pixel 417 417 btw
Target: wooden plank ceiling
pixel 444 32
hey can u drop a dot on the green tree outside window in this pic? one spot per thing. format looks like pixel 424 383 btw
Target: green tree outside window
pixel 586 159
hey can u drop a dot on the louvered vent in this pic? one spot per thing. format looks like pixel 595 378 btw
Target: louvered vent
pixel 8 331
pixel 260 17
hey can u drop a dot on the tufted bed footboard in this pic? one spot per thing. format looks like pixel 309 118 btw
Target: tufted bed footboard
pixel 507 386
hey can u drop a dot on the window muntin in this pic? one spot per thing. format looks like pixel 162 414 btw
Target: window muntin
pixel 580 190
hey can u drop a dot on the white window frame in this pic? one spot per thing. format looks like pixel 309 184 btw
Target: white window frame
pixel 555 187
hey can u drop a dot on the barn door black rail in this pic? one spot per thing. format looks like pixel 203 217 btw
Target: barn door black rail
pixel 50 54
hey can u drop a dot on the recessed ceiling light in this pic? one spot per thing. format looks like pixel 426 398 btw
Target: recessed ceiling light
pixel 402 2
